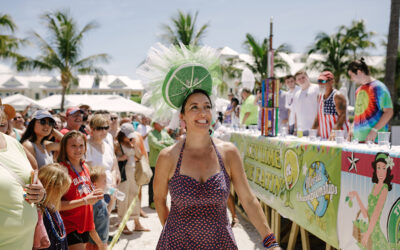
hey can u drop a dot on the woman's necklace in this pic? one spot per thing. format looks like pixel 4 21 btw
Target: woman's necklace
pixel 59 223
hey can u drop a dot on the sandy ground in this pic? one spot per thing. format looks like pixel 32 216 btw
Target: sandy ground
pixel 246 235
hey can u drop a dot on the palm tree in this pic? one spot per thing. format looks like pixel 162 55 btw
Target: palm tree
pixel 392 54
pixel 336 48
pixel 63 50
pixel 260 51
pixel 335 51
pixel 357 38
pixel 8 43
pixel 183 29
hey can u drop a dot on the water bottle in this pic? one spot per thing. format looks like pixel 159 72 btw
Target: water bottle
pixel 118 194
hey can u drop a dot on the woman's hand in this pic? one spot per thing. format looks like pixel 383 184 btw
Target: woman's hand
pixel 34 193
pixel 123 158
pixel 353 194
pixel 94 196
pixel 364 239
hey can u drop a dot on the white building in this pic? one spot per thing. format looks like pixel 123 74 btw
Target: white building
pixel 39 86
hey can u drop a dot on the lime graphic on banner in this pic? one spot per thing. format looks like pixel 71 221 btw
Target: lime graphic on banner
pixel 393 225
pixel 291 173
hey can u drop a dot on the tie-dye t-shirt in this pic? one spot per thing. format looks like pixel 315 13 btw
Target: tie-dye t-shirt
pixel 371 100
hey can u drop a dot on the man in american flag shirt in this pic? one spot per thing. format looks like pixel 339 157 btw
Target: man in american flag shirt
pixel 332 107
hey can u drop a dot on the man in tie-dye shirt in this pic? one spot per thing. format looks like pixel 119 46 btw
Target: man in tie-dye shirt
pixel 374 108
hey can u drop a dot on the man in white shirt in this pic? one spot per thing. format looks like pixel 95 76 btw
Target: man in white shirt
pixel 290 83
pixel 144 129
pixel 305 102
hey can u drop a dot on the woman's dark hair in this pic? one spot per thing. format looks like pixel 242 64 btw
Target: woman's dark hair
pixel 120 137
pixel 30 133
pixel 194 92
pixel 389 175
pixel 234 99
pixel 358 65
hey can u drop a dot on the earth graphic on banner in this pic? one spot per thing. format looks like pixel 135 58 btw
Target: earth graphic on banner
pixel 314 183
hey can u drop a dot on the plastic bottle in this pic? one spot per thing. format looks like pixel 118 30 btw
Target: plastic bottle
pixel 118 194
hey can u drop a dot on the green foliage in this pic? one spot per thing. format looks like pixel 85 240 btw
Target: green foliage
pixel 136 98
pixel 9 44
pixel 260 51
pixel 62 50
pixel 183 29
pixel 340 48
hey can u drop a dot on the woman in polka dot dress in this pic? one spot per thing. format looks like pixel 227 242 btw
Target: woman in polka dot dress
pixel 197 172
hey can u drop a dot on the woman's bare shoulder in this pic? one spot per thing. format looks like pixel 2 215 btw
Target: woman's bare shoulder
pixel 225 147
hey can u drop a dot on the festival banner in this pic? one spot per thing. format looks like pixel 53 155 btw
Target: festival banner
pixel 299 180
pixel 369 208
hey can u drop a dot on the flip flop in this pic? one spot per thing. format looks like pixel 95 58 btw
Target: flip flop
pixel 126 231
pixel 143 214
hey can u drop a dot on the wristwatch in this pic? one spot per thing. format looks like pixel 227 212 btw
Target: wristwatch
pixel 375 130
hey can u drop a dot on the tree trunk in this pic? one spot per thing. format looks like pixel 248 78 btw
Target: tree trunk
pixel 63 91
pixel 391 52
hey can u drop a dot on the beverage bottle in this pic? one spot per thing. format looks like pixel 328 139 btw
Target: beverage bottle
pixel 118 194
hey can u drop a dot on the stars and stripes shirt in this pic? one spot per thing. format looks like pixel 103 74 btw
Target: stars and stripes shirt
pixel 327 115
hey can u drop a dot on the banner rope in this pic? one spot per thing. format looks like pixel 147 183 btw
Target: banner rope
pixel 123 222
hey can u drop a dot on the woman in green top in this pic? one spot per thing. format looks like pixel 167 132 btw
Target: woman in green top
pixel 376 200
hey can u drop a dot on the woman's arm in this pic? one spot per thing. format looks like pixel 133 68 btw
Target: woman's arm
pixel 364 211
pixel 375 215
pixel 248 200
pixel 115 171
pixel 160 184
pixel 31 158
pixel 90 199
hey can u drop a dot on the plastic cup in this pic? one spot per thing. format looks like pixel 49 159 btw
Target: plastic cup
pixel 284 131
pixel 312 134
pixel 339 136
pixel 384 138
pixel 299 133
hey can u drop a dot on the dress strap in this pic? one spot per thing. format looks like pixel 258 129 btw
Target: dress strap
pixel 178 164
pixel 221 162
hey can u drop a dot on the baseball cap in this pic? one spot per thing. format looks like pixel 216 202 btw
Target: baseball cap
pixel 73 110
pixel 41 114
pixel 128 130
pixel 325 76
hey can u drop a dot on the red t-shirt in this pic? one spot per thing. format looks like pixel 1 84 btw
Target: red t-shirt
pixel 79 219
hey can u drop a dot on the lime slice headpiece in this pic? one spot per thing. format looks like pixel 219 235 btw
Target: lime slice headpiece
pixel 182 80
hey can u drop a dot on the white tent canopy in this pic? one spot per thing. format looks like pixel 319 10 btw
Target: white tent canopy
pixel 221 104
pixel 20 102
pixel 112 103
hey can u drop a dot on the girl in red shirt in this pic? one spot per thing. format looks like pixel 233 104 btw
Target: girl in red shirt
pixel 76 205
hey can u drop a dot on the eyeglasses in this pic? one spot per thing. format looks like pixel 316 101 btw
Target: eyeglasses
pixel 17 117
pixel 43 122
pixel 113 118
pixel 323 81
pixel 102 128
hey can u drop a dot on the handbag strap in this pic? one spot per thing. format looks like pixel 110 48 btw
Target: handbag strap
pixel 120 146
pixel 18 178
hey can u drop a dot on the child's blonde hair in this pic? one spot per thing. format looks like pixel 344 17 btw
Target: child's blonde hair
pixel 55 179
pixel 96 172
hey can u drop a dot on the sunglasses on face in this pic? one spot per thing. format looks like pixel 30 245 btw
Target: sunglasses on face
pixel 17 117
pixel 102 128
pixel 114 118
pixel 43 122
pixel 322 81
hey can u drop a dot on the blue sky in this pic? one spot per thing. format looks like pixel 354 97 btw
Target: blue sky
pixel 128 28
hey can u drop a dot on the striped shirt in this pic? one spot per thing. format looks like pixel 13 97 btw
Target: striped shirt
pixel 327 115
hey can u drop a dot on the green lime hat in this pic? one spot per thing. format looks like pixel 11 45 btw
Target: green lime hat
pixel 182 80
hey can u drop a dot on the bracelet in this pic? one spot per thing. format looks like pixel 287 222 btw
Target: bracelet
pixel 375 130
pixel 43 199
pixel 270 241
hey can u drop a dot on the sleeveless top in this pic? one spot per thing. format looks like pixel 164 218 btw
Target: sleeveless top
pixel 198 217
pixel 327 115
pixel 42 158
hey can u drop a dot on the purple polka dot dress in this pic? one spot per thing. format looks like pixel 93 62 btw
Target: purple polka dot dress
pixel 198 217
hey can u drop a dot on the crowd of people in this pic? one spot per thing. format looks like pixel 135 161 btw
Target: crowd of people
pixel 305 106
pixel 60 172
